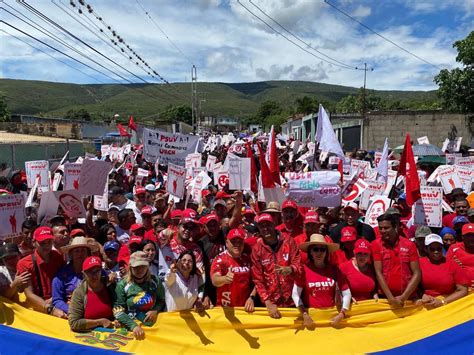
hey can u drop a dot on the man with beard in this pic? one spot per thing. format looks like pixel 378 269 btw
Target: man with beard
pixel 292 223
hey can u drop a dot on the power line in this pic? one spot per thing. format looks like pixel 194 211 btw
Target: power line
pixel 164 33
pixel 290 40
pixel 299 39
pixel 380 35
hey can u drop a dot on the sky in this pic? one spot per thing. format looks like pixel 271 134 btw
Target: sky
pixel 227 43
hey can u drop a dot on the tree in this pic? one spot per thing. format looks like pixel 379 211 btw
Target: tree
pixel 456 86
pixel 348 104
pixel 81 114
pixel 174 113
pixel 4 113
pixel 269 108
pixel 306 105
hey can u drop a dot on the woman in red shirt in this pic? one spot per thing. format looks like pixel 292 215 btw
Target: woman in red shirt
pixel 359 272
pixel 440 277
pixel 320 282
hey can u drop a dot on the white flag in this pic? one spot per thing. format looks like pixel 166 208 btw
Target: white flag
pixel 325 134
pixel 382 168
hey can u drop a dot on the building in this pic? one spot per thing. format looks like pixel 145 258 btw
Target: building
pixel 220 124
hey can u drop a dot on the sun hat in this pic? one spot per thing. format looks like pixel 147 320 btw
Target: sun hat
pixel 318 239
pixel 139 258
pixel 78 242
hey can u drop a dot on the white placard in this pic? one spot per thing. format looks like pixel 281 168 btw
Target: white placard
pixel 31 194
pixel 314 188
pixel 199 183
pixel 104 150
pixel 72 173
pixel 176 180
pixel 239 174
pixel 221 178
pixel 12 215
pixel 378 206
pixel 373 188
pixel 465 175
pixel 423 140
pixel 449 178
pixel 467 162
pixel 38 169
pixel 211 161
pixel 428 209
pixel 452 146
pixel 94 175
pixel 451 158
pixel 48 207
pixel 56 181
pixel 71 203
pixel 355 192
pixel 101 202
pixel 361 166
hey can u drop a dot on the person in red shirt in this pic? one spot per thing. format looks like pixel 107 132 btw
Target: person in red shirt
pixel 395 262
pixel 230 273
pixel 440 277
pixel 320 281
pixel 463 253
pixel 276 262
pixel 347 241
pixel 42 265
pixel 291 219
pixel 360 273
pixel 460 206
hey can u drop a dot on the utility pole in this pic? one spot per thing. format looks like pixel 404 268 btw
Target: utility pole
pixel 364 95
pixel 194 99
pixel 200 115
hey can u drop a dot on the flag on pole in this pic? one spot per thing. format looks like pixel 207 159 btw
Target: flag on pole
pixel 131 123
pixel 408 169
pixel 268 189
pixel 253 168
pixel 123 132
pixel 325 135
pixel 271 156
pixel 382 168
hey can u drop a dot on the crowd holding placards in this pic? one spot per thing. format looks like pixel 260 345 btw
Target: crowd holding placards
pixel 115 239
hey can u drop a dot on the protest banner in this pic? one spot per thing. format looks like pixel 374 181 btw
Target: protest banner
pixel 169 147
pixel 114 152
pixel 378 205
pixel 373 188
pixel 142 174
pixel 221 178
pixel 333 160
pixel 94 175
pixel 105 150
pixel 239 174
pixel 467 162
pixel 71 203
pixel 176 179
pixel 428 209
pixel 465 175
pixel 198 184
pixel 237 148
pixel 356 191
pixel 449 178
pixel 72 173
pixel 101 202
pixel 377 158
pixel 12 215
pixel 452 146
pixel 451 158
pixel 423 140
pixel 211 161
pixel 314 188
pixel 360 166
pixel 38 169
pixel 392 175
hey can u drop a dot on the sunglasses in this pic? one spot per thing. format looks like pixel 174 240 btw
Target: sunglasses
pixel 319 249
pixel 434 249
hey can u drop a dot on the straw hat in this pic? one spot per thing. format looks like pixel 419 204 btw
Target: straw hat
pixel 318 239
pixel 78 242
pixel 273 206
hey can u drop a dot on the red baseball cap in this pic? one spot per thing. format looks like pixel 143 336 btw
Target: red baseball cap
pixel 76 232
pixel 289 204
pixel 264 217
pixel 205 193
pixel 352 205
pixel 348 234
pixel 176 214
pixel 468 229
pixel 311 217
pixel 248 210
pixel 236 233
pixel 135 239
pixel 135 227
pixel 146 210
pixel 362 246
pixel 208 218
pixel 189 215
pixel 42 234
pixel 90 262
pixel 139 190
pixel 222 194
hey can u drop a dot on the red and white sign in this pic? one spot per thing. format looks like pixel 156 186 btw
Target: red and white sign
pixel 199 183
pixel 378 206
pixel 72 173
pixel 176 180
pixel 361 166
pixel 373 188
pixel 221 178
pixel 12 215
pixel 449 178
pixel 101 202
pixel 465 175
pixel 71 203
pixel 211 161
pixel 451 158
pixel 423 140
pixel 356 191
pixel 428 210
pixel 38 169
pixel 467 162
pixel 377 158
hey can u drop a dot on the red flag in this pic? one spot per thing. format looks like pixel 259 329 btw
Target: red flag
pixel 131 123
pixel 408 169
pixel 267 178
pixel 123 132
pixel 340 168
pixel 253 168
pixel 273 163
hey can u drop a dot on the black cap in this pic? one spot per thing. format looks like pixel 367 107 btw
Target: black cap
pixel 458 192
pixel 9 249
pixel 115 191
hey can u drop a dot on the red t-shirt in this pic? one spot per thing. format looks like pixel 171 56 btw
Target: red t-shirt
pixel 361 283
pixel 47 271
pixel 319 285
pixel 236 293
pixel 98 305
pixel 457 252
pixel 296 231
pixel 441 279
pixel 395 263
pixel 340 257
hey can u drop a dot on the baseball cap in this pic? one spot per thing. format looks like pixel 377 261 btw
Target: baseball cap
pixel 139 190
pixel 139 258
pixel 460 219
pixel 135 227
pixel 146 210
pixel 135 239
pixel 113 207
pixel 205 193
pixel 468 229
pixel 111 245
pixel 470 212
pixel 236 233
pixel 289 204
pixel 208 218
pixel 76 232
pixel 352 205
pixel 311 217
pixel 273 206
pixel 393 210
pixel 42 234
pixel 362 246
pixel 457 191
pixel 422 232
pixel 9 249
pixel 348 234
pixel 90 262
pixel 176 214
pixel 248 210
pixel 116 190
pixel 222 194
pixel 189 215
pixel 150 188
pixel 219 202
pixel 433 238
pixel 264 217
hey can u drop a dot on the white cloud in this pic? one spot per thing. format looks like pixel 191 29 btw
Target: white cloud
pixel 362 11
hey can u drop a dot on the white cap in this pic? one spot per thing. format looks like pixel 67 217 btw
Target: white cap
pixel 352 205
pixel 150 187
pixel 433 238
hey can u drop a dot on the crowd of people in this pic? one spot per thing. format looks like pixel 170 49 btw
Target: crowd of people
pixel 149 253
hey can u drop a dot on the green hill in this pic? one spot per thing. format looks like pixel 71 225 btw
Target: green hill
pixel 228 99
